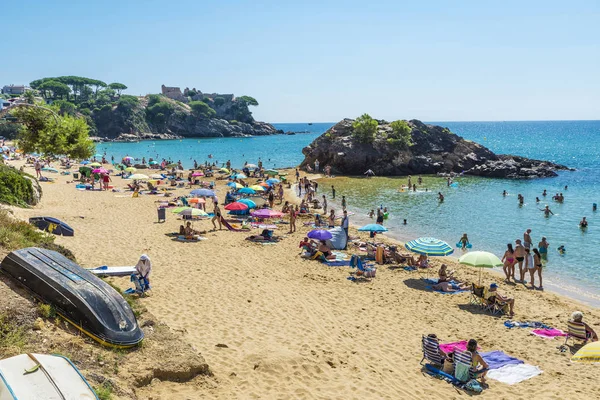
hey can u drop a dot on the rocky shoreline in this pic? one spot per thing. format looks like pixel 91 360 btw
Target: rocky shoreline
pixel 432 150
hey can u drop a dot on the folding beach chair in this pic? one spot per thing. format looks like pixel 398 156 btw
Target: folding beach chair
pixel 431 350
pixel 477 295
pixel 576 330
pixel 366 270
pixel 462 365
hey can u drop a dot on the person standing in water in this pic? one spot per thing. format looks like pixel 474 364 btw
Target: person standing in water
pixel 543 248
pixel 332 192
pixel 464 241
pixel 344 203
pixel 440 197
pixel 544 193
pixel 324 205
pixel 504 193
pixel 527 239
pixel 583 223
pixel 547 211
pixel 420 180
pixel 345 225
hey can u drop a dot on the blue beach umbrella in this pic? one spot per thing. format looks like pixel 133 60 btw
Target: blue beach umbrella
pixel 247 190
pixel 202 193
pixel 430 246
pixel 320 234
pixel 97 155
pixel 248 202
pixel 373 228
pixel 238 176
pixel 273 181
pixel 85 162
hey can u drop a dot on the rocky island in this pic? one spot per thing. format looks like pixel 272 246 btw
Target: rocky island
pixel 351 147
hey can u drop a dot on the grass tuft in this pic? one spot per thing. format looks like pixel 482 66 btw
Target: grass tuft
pixel 11 335
pixel 104 391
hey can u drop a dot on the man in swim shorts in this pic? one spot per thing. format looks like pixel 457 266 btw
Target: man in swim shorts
pixel 520 257
pixel 527 239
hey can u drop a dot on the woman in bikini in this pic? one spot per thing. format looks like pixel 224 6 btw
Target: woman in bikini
pixel 509 262
pixel 217 217
pixel 537 260
pixel 331 219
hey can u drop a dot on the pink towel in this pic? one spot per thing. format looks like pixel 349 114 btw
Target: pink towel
pixel 548 333
pixel 450 347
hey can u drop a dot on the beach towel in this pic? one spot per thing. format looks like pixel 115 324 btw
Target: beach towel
pixel 514 373
pixel 527 324
pixel 338 263
pixel 432 282
pixel 450 347
pixel 408 268
pixel 497 359
pixel 548 333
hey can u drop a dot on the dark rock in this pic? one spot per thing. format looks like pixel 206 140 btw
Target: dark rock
pixel 435 150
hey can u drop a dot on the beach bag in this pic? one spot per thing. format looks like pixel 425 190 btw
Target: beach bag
pixel 473 386
pixel 448 366
pixel 369 273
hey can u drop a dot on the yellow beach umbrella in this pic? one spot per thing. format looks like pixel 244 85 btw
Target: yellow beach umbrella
pixel 95 164
pixel 224 170
pixel 258 188
pixel 129 169
pixel 590 353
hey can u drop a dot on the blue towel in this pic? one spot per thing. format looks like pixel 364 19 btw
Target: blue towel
pixel 338 263
pixel 531 324
pixel 497 358
pixel 410 268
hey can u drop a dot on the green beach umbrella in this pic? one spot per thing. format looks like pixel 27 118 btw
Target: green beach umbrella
pixel 271 172
pixel 179 209
pixel 480 259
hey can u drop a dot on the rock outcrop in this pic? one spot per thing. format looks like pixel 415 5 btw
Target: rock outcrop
pixel 434 150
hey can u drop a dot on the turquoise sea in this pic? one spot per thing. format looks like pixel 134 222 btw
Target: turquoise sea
pixel 476 206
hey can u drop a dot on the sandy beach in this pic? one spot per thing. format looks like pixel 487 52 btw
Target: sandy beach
pixel 294 328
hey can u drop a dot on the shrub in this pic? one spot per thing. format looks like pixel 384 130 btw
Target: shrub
pixel 364 128
pixel 15 188
pixel 219 101
pixel 11 335
pixel 46 311
pixel 104 391
pixel 201 109
pixel 9 129
pixel 401 134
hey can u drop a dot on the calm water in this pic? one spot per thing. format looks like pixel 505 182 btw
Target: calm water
pixel 475 206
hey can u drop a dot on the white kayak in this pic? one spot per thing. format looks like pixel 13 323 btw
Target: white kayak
pixel 112 271
pixel 42 376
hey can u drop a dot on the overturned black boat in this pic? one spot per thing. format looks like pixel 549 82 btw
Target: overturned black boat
pixel 81 298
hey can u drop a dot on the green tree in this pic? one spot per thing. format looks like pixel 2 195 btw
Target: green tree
pixel 127 103
pixel 401 134
pixel 29 97
pixel 219 101
pixel 48 133
pixel 118 87
pixel 9 130
pixel 64 107
pixel 201 109
pixel 249 101
pixel 58 89
pixel 364 128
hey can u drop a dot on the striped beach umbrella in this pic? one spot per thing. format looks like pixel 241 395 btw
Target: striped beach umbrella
pixel 429 246
pixel 590 353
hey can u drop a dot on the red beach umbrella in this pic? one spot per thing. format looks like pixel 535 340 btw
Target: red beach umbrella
pixel 236 206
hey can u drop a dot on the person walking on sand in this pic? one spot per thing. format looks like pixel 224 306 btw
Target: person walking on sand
pixel 317 165
pixel 332 192
pixel 38 169
pixel 292 219
pixel 519 257
pixel 331 219
pixel 345 225
pixel 324 205
pixel 509 262
pixel 217 216
pixel 344 203
pixel 106 180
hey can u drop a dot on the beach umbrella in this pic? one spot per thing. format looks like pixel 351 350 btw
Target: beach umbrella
pixel 153 162
pixel 266 213
pixel 193 212
pixel 320 234
pixel 95 164
pixel 429 246
pixel 128 158
pixel 273 181
pixel 85 162
pixel 480 259
pixel 224 170
pixel 373 228
pixel 52 225
pixel 250 166
pixel 179 209
pixel 238 176
pixel 247 190
pixel 271 172
pixel 264 184
pixel 97 155
pixel 99 171
pixel 130 169
pixel 172 165
pixel 157 176
pixel 198 174
pixel 235 185
pixel 248 202
pixel 139 177
pixel 236 206
pixel 257 188
pixel 590 353
pixel 202 193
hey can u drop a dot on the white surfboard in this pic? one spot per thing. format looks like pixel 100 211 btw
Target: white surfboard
pixel 112 271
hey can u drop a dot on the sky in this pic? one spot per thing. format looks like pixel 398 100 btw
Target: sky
pixel 321 61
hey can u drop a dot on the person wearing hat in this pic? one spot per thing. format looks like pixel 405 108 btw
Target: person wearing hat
pixel 143 269
pixel 502 299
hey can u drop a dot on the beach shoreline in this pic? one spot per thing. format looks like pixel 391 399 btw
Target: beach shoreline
pixel 271 324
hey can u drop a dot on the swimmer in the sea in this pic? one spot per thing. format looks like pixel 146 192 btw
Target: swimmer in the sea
pixel 583 223
pixel 547 211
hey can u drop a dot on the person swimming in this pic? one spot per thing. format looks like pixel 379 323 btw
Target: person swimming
pixel 561 249
pixel 504 193
pixel 537 199
pixel 583 223
pixel 544 194
pixel 440 197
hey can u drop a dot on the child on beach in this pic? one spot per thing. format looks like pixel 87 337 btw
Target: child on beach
pixel 464 241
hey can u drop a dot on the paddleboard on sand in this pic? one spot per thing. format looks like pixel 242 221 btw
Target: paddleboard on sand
pixel 112 271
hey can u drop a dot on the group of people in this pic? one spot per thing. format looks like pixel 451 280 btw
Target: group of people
pixel 528 258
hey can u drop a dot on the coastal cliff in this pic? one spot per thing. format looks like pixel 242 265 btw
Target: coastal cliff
pixel 410 148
